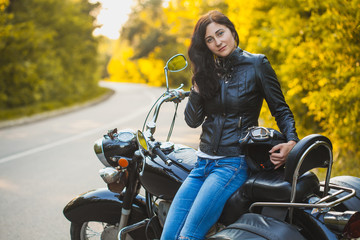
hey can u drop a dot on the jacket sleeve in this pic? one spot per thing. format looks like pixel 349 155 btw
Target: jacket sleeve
pixel 194 110
pixel 271 90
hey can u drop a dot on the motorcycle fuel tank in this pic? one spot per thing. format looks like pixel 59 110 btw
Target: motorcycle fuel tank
pixel 163 181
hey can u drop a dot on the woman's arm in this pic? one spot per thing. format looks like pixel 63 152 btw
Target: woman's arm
pixel 194 111
pixel 274 97
pixel 271 90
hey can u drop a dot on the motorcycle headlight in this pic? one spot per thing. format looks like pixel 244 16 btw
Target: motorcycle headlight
pixel 122 144
pixel 115 179
pixel 109 174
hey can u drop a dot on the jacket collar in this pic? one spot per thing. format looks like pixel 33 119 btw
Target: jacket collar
pixel 230 60
pixel 234 57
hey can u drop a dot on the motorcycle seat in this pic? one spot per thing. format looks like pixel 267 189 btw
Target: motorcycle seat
pixel 258 227
pixel 267 186
pixel 272 186
pixel 313 151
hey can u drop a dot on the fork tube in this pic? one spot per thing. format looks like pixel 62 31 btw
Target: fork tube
pixel 130 192
pixel 124 218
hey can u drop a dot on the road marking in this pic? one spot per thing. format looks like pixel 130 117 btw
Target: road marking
pixel 127 117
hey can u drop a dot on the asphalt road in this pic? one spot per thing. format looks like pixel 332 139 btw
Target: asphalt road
pixel 44 164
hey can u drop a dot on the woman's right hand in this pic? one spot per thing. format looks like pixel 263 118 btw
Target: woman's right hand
pixel 195 87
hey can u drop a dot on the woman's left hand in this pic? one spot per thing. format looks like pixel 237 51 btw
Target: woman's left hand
pixel 279 153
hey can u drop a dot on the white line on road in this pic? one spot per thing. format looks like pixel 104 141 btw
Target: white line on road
pixel 127 117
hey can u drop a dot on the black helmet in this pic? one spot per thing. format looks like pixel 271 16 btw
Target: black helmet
pixel 256 146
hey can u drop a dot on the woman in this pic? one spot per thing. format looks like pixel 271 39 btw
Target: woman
pixel 229 86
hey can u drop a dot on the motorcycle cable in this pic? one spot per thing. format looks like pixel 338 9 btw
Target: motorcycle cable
pixel 173 123
pixel 157 233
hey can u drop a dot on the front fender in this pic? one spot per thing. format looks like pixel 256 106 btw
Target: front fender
pixel 104 206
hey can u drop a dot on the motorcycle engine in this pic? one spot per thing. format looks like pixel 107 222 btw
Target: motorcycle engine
pixel 115 144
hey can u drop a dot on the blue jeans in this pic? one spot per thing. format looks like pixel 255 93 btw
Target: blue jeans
pixel 200 200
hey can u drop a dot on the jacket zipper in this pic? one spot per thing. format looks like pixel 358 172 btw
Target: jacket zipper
pixel 239 123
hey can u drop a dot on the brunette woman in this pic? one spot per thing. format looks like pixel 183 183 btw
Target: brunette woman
pixel 229 85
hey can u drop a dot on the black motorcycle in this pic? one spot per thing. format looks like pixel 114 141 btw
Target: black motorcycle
pixel 143 176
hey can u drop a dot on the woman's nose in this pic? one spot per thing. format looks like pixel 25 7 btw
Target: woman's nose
pixel 217 42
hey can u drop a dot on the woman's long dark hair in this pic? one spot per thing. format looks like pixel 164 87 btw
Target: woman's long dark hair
pixel 203 60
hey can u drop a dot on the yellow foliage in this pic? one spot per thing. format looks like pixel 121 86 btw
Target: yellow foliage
pixel 3 4
pixel 121 69
pixel 153 70
pixel 314 47
pixel 144 70
pixel 182 16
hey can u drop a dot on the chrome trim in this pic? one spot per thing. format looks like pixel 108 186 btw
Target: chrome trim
pixel 125 230
pixel 319 204
pixel 298 166
pixel 98 148
pixel 338 220
pixel 125 214
pixel 109 174
pixel 167 146
pixel 296 172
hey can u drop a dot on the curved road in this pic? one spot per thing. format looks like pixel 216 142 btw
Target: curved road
pixel 44 164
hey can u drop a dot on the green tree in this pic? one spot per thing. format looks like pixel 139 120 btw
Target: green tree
pixel 47 52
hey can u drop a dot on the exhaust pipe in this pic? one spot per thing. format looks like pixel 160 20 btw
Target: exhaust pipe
pixel 346 222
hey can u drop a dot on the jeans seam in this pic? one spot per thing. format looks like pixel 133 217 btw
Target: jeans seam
pixel 209 164
pixel 202 218
pixel 235 173
pixel 217 194
pixel 233 176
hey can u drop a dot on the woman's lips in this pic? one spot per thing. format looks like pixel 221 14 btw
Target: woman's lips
pixel 222 49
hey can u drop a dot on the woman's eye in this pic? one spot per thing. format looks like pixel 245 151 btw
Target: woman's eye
pixel 221 33
pixel 209 40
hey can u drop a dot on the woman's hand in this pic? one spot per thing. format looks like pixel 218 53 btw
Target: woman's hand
pixel 195 87
pixel 279 153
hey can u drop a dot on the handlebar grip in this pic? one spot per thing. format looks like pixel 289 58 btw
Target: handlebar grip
pixel 187 93
pixel 162 155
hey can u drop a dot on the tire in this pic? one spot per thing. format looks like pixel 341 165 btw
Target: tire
pixel 352 204
pixel 94 230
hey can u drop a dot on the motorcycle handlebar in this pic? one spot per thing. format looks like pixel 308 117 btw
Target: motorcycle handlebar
pixel 162 155
pixel 176 95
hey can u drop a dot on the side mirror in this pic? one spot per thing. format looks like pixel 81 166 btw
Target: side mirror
pixel 176 63
pixel 141 140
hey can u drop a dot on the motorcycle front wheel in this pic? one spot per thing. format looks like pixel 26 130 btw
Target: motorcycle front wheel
pixel 94 230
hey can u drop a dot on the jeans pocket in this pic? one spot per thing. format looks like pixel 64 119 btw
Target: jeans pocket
pixel 231 163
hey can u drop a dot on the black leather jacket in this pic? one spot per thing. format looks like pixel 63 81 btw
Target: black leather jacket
pixel 248 79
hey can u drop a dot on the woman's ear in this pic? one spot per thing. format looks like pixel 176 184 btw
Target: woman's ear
pixel 236 39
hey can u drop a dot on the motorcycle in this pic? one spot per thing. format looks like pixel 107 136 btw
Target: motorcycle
pixel 143 176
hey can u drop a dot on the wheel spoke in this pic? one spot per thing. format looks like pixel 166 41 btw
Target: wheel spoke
pixel 91 232
pixel 94 230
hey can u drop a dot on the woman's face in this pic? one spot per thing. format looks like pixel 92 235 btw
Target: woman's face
pixel 219 39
